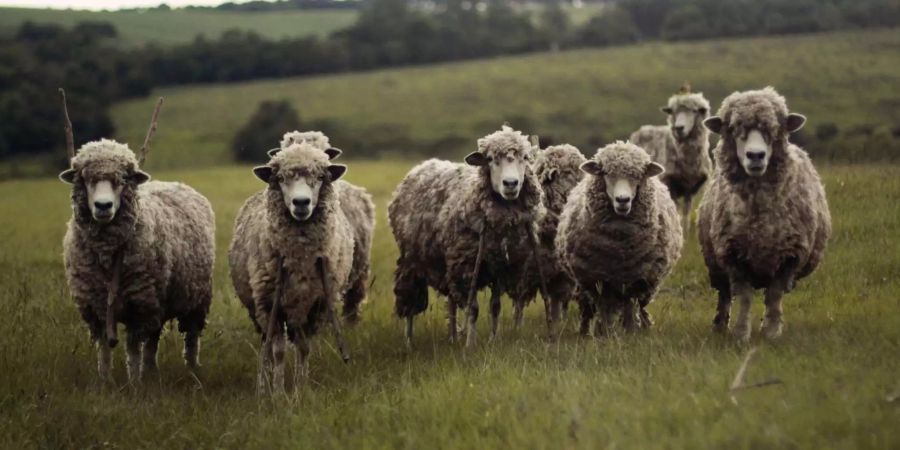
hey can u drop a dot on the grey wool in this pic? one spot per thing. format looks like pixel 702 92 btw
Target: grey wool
pixel 272 252
pixel 685 158
pixel 626 257
pixel 765 231
pixel 438 215
pixel 557 169
pixel 163 235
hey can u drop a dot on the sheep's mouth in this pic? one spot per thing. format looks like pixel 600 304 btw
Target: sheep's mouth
pixel 301 214
pixel 103 217
pixel 622 210
pixel 510 194
pixel 756 170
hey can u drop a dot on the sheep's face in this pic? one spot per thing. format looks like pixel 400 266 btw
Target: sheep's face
pixel 685 112
pixel 104 172
pixel 754 138
pixel 623 167
pixel 506 154
pixel 299 173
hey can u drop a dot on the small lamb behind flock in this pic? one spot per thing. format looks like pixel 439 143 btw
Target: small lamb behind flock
pixel 457 224
pixel 292 255
pixel 764 222
pixel 681 147
pixel 136 251
pixel 619 230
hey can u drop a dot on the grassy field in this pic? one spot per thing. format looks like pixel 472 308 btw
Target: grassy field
pixel 585 97
pixel 181 26
pixel 666 388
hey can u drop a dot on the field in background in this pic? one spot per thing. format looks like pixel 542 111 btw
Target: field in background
pixel 667 388
pixel 182 26
pixel 585 97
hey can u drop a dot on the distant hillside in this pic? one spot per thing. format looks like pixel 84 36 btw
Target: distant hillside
pixel 846 83
pixel 180 26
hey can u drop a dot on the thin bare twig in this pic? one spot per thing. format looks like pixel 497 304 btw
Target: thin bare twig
pixel 739 376
pixel 150 131
pixel 70 138
pixel 112 293
pixel 769 382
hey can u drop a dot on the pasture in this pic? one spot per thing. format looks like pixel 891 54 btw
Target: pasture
pixel 667 388
pixel 182 26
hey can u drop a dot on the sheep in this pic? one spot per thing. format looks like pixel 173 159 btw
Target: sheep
pixel 619 229
pixel 557 168
pixel 458 226
pixel 292 256
pixel 136 251
pixel 764 222
pixel 681 147
pixel 359 209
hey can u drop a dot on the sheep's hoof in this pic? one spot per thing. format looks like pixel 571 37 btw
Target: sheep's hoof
pixel 720 325
pixel 742 334
pixel 771 328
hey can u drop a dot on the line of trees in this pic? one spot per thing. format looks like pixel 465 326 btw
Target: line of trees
pixel 39 58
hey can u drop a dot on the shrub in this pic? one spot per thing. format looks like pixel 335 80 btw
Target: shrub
pixel 264 130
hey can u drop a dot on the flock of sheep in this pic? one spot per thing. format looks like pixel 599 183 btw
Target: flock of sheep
pixel 514 218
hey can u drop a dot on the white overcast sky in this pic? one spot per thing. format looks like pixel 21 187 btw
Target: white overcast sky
pixel 104 4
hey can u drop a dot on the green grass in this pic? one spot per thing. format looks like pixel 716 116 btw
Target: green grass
pixel 584 97
pixel 181 26
pixel 666 388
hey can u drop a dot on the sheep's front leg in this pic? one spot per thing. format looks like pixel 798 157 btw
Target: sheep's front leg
pixel 301 371
pixel 496 292
pixel 518 314
pixel 588 302
pixel 773 321
pixel 628 315
pixel 472 318
pixel 192 349
pixel 409 331
pixel 278 349
pixel 472 300
pixel 723 310
pixel 743 291
pixel 607 311
pixel 148 360
pixel 133 356
pixel 556 307
pixel 451 319
pixel 104 360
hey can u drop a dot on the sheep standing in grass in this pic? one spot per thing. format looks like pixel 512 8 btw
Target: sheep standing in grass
pixel 764 222
pixel 358 207
pixel 292 255
pixel 619 230
pixel 456 226
pixel 558 169
pixel 681 147
pixel 138 252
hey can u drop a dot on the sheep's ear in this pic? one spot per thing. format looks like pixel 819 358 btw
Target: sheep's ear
pixel 333 153
pixel 551 174
pixel 476 159
pixel 139 177
pixel 653 169
pixel 68 176
pixel 666 110
pixel 263 172
pixel 795 122
pixel 592 167
pixel 337 171
pixel 273 151
pixel 713 124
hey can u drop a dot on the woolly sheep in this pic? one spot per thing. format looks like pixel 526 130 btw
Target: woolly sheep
pixel 681 147
pixel 557 168
pixel 292 255
pixel 138 252
pixel 358 207
pixel 764 222
pixel 619 230
pixel 457 225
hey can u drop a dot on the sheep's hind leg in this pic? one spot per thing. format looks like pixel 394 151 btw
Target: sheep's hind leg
pixel 744 293
pixel 451 320
pixel 518 314
pixel 495 310
pixel 133 346
pixel 628 316
pixel 723 310
pixel 472 319
pixel 148 358
pixel 588 302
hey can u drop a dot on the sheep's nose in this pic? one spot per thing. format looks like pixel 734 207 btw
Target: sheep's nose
pixel 678 128
pixel 756 156
pixel 623 200
pixel 302 202
pixel 510 183
pixel 103 206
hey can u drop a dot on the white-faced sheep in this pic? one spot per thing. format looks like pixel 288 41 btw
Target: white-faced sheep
pixel 764 222
pixel 619 230
pixel 455 223
pixel 138 252
pixel 681 147
pixel 558 170
pixel 292 255
pixel 359 209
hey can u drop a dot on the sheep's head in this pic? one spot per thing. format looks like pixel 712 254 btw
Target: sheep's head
pixel 314 138
pixel 556 168
pixel 506 155
pixel 623 167
pixel 755 125
pixel 686 112
pixel 104 171
pixel 300 172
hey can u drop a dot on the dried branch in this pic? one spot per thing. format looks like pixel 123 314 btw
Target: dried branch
pixel 150 131
pixel 70 138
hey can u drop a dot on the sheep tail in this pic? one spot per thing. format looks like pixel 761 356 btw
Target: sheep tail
pixel 329 310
